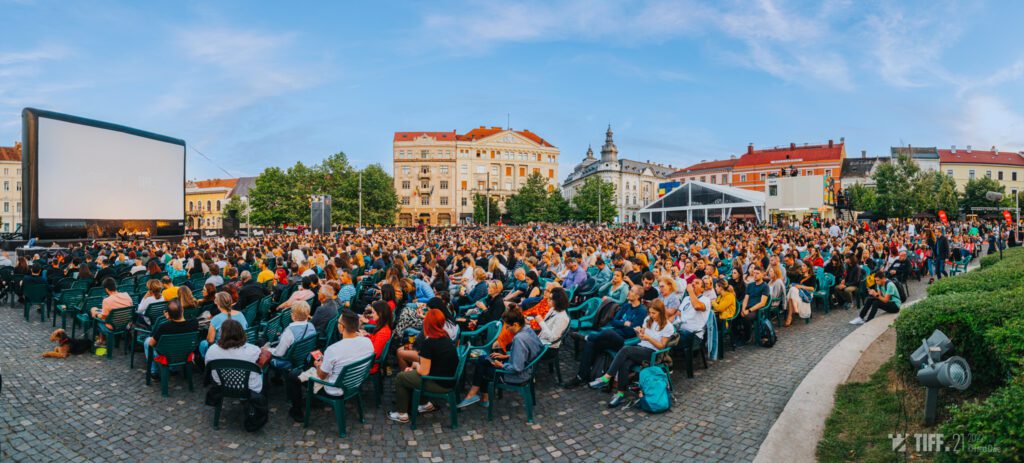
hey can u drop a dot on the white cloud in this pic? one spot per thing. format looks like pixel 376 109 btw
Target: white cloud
pixel 908 46
pixel 990 121
pixel 41 53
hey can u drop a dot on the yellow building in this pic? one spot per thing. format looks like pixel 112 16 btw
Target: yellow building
pixel 1005 167
pixel 205 201
pixel 436 174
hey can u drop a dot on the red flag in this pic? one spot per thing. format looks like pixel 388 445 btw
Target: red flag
pixel 943 218
pixel 1008 217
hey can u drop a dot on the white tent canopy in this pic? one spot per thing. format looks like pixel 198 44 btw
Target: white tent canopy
pixel 704 202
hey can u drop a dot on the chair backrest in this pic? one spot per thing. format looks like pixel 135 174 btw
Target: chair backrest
pixel 352 376
pixel 301 349
pixel 250 311
pixel 179 280
pixel 383 359
pixel 463 353
pixel 234 376
pixel 155 309
pixel 277 325
pixel 72 297
pixel 36 293
pixel 82 283
pixel 97 291
pixel 177 347
pixel 192 313
pixel 120 318
pixel 530 366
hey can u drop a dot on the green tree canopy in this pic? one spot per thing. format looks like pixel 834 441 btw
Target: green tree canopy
pixel 528 204
pixel 974 193
pixel 893 187
pixel 270 198
pixel 595 195
pixel 480 212
pixel 861 198
pixel 234 207
pixel 935 191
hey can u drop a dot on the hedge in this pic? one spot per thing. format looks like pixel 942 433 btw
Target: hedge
pixel 991 430
pixel 1005 274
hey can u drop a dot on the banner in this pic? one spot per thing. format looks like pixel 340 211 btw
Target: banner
pixel 1008 217
pixel 943 218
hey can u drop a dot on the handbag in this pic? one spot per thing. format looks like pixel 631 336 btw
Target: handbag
pixel 805 295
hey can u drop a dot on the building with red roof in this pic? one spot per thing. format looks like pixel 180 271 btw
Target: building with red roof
pixel 755 166
pixel 1005 167
pixel 437 174
pixel 10 167
pixel 714 172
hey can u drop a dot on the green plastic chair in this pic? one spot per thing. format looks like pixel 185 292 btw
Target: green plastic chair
pixel 331 329
pixel 451 396
pixel 178 350
pixel 378 377
pixel 727 327
pixel 96 291
pixel 252 333
pixel 823 291
pixel 119 320
pixel 155 314
pixel 272 329
pixel 584 312
pixel 234 381
pixel 83 317
pixel 37 294
pixel 69 303
pixel 349 381
pixel 526 389
pixel 482 337
pixel 299 351
pixel 250 312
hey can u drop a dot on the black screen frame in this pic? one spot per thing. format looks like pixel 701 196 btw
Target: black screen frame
pixel 47 228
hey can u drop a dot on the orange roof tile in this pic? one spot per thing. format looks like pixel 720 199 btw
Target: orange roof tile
pixel 707 165
pixel 439 136
pixel 810 153
pixel 217 183
pixel 961 156
pixel 10 153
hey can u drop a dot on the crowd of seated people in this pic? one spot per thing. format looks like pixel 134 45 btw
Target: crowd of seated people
pixel 424 293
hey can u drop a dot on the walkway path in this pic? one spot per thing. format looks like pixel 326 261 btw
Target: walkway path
pixel 88 408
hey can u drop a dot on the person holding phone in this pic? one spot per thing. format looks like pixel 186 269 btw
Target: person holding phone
pixel 654 333
pixel 526 346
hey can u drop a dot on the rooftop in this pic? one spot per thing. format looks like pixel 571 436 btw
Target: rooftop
pixel 969 156
pixel 792 153
pixel 707 165
pixel 478 133
pixel 11 153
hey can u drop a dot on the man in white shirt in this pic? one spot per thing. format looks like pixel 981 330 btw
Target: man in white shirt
pixel 693 312
pixel 351 348
pixel 834 230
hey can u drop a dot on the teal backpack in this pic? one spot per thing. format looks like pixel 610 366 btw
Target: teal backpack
pixel 654 385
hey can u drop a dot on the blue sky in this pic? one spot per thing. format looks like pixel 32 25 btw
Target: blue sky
pixel 256 84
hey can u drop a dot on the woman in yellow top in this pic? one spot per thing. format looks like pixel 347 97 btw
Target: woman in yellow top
pixel 725 305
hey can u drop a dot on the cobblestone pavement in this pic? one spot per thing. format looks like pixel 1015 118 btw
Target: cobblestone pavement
pixel 88 408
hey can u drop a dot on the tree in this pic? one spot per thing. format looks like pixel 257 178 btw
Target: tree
pixel 234 207
pixel 935 191
pixel 861 197
pixel 595 194
pixel 893 185
pixel 380 201
pixel 528 204
pixel 974 194
pixel 556 208
pixel 480 209
pixel 270 198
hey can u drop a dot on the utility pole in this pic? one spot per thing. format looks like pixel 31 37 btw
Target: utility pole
pixel 488 198
pixel 360 199
pixel 599 185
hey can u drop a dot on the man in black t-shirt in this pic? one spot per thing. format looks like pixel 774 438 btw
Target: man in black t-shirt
pixel 175 324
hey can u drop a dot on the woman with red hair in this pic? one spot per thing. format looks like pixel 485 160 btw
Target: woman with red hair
pixel 438 357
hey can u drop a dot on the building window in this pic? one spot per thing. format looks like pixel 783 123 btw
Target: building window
pixel 19 184
pixel 536 170
pixel 522 171
pixel 508 170
pixel 703 178
pixel 7 185
pixel 551 173
pixel 1013 176
pixel 424 200
pixel 7 227
pixel 999 176
pixel 209 206
pixel 218 205
pixel 949 172
pixel 424 184
pixel 444 184
pixel 988 174
pixel 444 200
pixel 481 169
pixel 424 153
pixel 494 170
pixel 970 174
pixel 444 170
pixel 405 170
pixel 508 186
pixel 464 169
pixel 464 202
pixel 479 184
pixel 424 170
pixel 405 200
pixel 405 184
pixel 773 190
pixel 19 207
pixel 7 206
pixel 713 179
pixel 190 205
pixel 743 177
pixel 6 171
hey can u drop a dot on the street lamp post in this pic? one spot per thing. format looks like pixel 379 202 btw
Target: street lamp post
pixel 488 199
pixel 360 199
pixel 599 201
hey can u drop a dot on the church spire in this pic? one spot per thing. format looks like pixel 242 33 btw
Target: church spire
pixel 590 152
pixel 609 152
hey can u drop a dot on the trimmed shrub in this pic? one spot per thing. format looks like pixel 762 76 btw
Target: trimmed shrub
pixel 991 430
pixel 1007 274
pixel 1008 343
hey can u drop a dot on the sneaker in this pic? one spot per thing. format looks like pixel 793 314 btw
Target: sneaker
pixel 857 321
pixel 598 383
pixel 468 401
pixel 426 408
pixel 617 399
pixel 399 417
pixel 575 382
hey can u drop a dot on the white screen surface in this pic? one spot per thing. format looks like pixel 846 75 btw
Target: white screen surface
pixel 87 172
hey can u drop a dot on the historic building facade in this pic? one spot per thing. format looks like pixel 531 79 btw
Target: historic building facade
pixel 437 174
pixel 10 194
pixel 713 172
pixel 755 166
pixel 636 183
pixel 205 201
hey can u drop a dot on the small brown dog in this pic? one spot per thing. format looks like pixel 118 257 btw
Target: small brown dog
pixel 67 346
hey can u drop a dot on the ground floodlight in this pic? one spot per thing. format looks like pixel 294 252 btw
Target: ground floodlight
pixel 937 345
pixel 935 373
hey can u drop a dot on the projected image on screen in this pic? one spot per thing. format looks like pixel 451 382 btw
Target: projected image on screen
pixel 87 172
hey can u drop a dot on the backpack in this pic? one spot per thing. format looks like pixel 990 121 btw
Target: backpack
pixel 605 313
pixel 654 386
pixel 600 365
pixel 256 412
pixel 767 333
pixel 902 289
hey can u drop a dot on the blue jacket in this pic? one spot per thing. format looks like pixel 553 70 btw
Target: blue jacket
pixel 526 346
pixel 627 313
pixel 424 292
